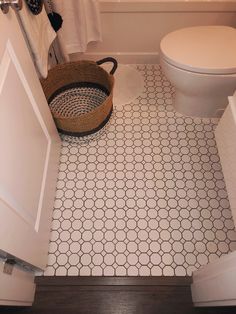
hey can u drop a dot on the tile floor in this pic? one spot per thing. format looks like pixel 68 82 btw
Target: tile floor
pixel 144 197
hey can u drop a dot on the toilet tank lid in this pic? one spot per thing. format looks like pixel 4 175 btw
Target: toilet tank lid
pixel 203 49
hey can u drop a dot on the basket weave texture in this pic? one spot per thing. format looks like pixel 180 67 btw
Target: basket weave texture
pixel 78 72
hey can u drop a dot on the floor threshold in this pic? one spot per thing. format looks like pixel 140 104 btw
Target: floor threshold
pixel 114 281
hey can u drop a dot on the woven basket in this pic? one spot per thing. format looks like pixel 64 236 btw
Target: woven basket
pixel 81 72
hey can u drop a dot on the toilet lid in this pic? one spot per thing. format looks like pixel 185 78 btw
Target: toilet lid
pixel 203 49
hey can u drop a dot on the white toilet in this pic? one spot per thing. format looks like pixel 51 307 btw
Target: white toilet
pixel 200 62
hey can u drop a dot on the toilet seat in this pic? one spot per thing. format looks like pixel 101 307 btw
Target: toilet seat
pixel 201 49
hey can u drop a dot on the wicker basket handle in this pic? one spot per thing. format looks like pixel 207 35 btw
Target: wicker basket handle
pixel 109 59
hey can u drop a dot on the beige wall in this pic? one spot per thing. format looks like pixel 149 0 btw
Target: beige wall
pixel 132 31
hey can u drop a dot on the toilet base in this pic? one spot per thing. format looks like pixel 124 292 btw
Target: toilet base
pixel 199 94
pixel 197 106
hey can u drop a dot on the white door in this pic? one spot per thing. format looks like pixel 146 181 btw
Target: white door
pixel 29 154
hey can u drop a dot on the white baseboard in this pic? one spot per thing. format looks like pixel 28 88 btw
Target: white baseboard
pixel 18 288
pixel 121 57
pixel 215 284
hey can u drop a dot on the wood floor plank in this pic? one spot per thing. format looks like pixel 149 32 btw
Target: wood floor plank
pixel 113 281
pixel 114 295
pixel 155 299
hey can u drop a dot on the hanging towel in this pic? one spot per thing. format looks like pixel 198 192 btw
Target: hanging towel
pixel 81 24
pixel 56 53
pixel 40 36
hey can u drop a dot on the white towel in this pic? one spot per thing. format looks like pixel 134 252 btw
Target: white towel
pixel 81 24
pixel 40 36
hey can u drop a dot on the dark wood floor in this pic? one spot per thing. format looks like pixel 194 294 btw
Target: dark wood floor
pixel 114 295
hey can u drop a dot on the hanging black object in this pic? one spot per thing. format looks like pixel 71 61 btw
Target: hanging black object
pixel 35 6
pixel 55 20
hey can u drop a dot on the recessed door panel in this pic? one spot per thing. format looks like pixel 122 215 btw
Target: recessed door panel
pixel 24 145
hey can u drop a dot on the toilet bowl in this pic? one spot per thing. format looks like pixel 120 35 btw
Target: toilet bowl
pixel 200 62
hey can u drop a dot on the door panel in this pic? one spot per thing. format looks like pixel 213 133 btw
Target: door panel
pixel 19 160
pixel 29 151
